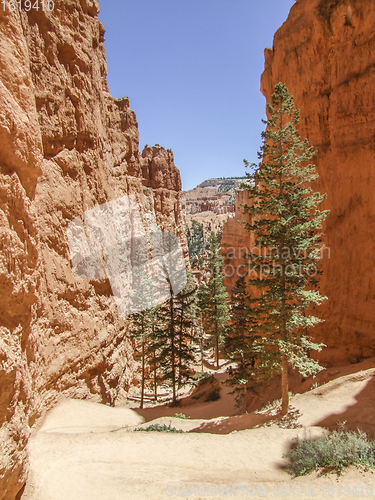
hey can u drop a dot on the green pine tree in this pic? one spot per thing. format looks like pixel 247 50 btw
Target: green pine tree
pixel 174 336
pixel 140 333
pixel 240 342
pixel 151 351
pixel 166 344
pixel 216 313
pixel 186 312
pixel 195 239
pixel 286 224
pixel 143 291
pixel 201 336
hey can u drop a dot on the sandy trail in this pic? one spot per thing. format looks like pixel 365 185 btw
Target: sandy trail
pixel 86 451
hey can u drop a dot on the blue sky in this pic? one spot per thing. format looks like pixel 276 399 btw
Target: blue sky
pixel 191 69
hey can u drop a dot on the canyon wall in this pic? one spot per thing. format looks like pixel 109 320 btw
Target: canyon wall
pixel 66 146
pixel 236 241
pixel 325 54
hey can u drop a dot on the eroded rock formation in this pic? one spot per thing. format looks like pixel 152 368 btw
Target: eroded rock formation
pixel 212 195
pixel 328 65
pixel 211 203
pixel 66 146
pixel 236 242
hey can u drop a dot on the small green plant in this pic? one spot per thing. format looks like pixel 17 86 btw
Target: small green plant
pixel 198 376
pixel 181 415
pixel 331 453
pixel 268 406
pixel 272 404
pixel 158 428
pixel 315 385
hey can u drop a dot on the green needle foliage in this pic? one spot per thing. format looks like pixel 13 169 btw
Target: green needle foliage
pixel 186 312
pixel 240 342
pixel 174 335
pixel 216 312
pixel 195 239
pixel 151 350
pixel 200 335
pixel 143 322
pixel 286 224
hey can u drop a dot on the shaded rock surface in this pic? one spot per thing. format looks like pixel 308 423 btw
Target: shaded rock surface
pixel 66 146
pixel 328 65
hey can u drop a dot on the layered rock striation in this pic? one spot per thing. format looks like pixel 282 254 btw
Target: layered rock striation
pixel 326 57
pixel 212 195
pixel 66 146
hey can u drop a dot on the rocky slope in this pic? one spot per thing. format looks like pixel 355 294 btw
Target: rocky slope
pixel 325 54
pixel 212 195
pixel 211 203
pixel 66 146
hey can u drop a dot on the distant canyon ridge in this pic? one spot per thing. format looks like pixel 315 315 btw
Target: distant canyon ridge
pixel 211 203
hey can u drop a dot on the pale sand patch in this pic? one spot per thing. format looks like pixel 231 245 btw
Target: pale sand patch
pixel 350 398
pixel 92 461
pixel 73 416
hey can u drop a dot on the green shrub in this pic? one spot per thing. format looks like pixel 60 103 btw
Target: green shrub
pixel 268 406
pixel 200 376
pixel 182 415
pixel 331 453
pixel 158 428
pixel 272 404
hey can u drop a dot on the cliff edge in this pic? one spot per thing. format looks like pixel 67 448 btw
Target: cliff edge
pixel 66 146
pixel 325 54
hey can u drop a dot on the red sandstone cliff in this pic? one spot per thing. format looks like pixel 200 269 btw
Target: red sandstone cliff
pixel 328 65
pixel 66 146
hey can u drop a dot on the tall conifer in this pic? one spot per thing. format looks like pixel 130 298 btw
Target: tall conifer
pixel 240 342
pixel 216 315
pixel 286 224
pixel 175 321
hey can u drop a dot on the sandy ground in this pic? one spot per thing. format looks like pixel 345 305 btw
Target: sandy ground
pixel 86 451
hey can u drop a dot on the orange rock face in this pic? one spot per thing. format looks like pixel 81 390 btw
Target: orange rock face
pixel 328 64
pixel 236 242
pixel 66 146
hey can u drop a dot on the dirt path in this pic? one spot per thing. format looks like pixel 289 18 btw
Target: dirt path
pixel 85 451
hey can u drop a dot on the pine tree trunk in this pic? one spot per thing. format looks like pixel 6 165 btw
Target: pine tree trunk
pixel 155 382
pixel 244 397
pixel 216 329
pixel 284 386
pixel 143 374
pixel 179 353
pixel 173 361
pixel 217 350
pixel 201 346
